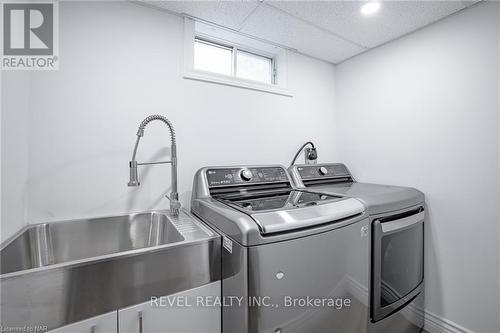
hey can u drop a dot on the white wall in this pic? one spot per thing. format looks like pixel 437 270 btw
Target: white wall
pixel 15 92
pixel 498 119
pixel 120 62
pixel 423 111
pixel 498 116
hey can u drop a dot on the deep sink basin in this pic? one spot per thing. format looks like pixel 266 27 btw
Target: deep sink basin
pixel 55 274
pixel 54 243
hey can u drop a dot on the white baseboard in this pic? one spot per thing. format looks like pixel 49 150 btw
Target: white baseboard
pixel 438 324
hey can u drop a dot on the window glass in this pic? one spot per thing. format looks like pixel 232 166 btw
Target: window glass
pixel 254 67
pixel 213 58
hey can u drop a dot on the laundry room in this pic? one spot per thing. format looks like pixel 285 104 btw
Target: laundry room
pixel 253 166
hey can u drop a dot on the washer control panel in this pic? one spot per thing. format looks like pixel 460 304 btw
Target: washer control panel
pixel 323 171
pixel 245 175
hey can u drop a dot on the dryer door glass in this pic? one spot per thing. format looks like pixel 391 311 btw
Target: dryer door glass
pixel 402 270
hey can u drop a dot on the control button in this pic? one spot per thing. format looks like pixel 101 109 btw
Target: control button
pixel 246 175
pixel 323 171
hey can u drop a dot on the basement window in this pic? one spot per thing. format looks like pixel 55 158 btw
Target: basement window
pixel 229 60
pixel 216 55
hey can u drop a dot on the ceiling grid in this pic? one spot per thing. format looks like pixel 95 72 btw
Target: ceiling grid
pixel 329 30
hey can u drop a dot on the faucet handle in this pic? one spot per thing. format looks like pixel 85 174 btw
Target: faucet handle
pixel 175 204
pixel 134 179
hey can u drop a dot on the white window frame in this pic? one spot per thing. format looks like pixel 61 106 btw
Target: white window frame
pixel 230 39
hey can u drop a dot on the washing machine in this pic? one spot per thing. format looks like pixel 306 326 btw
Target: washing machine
pixel 396 260
pixel 296 258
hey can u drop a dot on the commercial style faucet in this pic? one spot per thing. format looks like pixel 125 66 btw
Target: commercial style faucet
pixel 134 179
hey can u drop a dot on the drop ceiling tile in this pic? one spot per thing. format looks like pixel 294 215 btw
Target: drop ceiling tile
pixel 273 25
pixel 230 14
pixel 343 18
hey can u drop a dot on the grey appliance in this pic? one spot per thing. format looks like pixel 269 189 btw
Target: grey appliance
pixel 397 243
pixel 295 258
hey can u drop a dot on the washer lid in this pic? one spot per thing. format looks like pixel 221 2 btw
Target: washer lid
pixel 260 201
pixel 284 210
pixel 279 211
pixel 307 216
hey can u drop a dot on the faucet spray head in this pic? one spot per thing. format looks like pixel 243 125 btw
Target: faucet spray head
pixel 134 178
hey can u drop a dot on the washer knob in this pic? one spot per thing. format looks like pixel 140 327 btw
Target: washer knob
pixel 323 171
pixel 246 175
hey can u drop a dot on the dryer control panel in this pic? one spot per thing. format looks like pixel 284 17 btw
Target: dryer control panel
pixel 322 171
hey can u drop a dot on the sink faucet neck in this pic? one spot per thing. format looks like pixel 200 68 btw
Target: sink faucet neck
pixel 134 181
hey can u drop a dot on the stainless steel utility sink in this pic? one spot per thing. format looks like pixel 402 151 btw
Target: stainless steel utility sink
pixel 53 274
pixel 54 243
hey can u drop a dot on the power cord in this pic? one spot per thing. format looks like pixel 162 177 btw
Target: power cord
pixel 311 154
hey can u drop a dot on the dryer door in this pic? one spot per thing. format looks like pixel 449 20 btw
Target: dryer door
pixel 397 261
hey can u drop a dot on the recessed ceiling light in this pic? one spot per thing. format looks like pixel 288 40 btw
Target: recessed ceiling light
pixel 370 8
